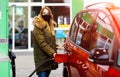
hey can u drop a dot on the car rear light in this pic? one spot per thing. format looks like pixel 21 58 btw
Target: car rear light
pixel 61 58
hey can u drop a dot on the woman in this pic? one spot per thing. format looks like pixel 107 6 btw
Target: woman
pixel 89 38
pixel 44 41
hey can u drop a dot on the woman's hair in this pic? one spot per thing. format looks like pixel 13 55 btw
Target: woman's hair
pixel 52 22
pixel 41 12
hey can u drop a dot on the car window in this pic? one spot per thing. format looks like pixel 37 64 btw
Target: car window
pixel 74 28
pixel 105 31
pixel 95 31
pixel 85 30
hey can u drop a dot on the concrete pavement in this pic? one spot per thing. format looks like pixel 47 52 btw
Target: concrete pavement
pixel 25 65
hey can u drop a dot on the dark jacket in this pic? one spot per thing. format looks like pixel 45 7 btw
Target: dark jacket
pixel 44 46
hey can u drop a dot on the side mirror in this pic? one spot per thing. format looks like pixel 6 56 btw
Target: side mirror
pixel 61 58
pixel 100 56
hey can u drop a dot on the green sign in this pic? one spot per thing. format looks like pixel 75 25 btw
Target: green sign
pixel 4 59
pixel 77 5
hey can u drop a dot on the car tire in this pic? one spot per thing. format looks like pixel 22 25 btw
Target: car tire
pixel 65 72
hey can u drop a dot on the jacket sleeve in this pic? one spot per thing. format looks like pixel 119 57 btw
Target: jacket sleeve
pixel 39 36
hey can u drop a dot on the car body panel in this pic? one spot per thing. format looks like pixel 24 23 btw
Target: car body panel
pixel 106 35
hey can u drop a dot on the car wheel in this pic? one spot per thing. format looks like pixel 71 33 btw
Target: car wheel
pixel 65 72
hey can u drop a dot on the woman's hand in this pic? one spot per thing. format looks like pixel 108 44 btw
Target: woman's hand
pixel 60 47
pixel 54 54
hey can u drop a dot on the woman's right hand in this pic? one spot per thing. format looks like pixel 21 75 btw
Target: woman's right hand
pixel 54 54
pixel 60 47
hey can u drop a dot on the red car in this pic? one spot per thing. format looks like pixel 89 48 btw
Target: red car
pixel 93 43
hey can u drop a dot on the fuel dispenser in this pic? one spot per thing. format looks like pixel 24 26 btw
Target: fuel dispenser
pixel 4 58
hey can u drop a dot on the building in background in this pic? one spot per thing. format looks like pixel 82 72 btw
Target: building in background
pixel 22 12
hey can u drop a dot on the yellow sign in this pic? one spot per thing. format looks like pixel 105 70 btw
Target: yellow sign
pixel 64 26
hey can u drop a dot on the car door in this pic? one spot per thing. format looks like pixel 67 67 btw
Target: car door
pixel 94 32
pixel 78 55
pixel 86 40
pixel 70 48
